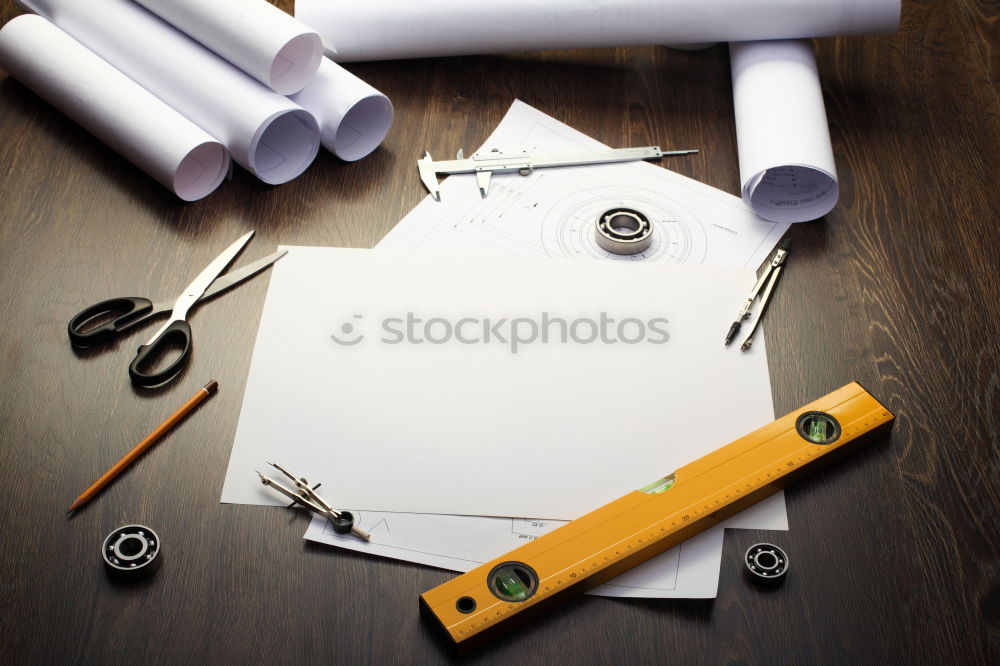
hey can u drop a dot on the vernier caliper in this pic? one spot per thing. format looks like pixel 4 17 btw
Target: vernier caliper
pixel 484 165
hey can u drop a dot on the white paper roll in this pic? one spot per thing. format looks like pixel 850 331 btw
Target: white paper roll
pixel 387 29
pixel 265 42
pixel 266 133
pixel 113 107
pixel 787 173
pixel 353 117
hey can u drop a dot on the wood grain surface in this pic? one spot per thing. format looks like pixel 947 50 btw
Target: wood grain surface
pixel 894 551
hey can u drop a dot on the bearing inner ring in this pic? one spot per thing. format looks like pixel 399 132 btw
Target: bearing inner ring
pixel 130 547
pixel 623 231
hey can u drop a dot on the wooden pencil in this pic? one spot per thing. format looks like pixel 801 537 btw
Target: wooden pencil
pixel 150 439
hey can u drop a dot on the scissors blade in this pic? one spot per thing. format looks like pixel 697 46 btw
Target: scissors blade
pixel 198 286
pixel 231 279
pixel 237 275
pixel 194 291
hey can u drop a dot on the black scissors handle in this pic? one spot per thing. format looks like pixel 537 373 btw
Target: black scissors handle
pixel 177 333
pixel 132 310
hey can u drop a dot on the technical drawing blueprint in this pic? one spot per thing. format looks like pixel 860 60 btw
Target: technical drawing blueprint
pixel 552 212
pixel 460 543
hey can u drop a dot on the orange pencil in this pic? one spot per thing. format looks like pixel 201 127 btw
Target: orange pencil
pixel 151 439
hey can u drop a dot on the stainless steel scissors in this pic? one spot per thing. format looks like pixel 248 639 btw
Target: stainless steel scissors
pixel 130 311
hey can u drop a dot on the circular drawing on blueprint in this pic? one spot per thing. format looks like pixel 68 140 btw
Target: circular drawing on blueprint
pixel 568 227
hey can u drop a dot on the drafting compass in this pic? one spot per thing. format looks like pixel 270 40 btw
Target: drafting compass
pixel 304 494
pixel 484 165
pixel 768 277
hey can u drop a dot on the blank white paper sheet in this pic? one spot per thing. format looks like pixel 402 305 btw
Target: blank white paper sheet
pixel 491 386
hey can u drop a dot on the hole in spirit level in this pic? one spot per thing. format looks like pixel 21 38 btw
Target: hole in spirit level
pixel 818 428
pixel 512 581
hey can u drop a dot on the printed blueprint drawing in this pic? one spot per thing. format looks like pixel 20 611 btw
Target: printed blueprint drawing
pixel 552 212
pixel 461 543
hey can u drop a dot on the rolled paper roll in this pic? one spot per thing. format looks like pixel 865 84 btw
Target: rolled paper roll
pixel 114 108
pixel 353 117
pixel 389 29
pixel 265 42
pixel 266 133
pixel 787 173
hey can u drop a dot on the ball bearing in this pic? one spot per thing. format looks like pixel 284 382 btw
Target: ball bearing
pixel 765 561
pixel 131 552
pixel 624 231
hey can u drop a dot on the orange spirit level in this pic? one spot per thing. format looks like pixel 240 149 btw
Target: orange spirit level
pixel 630 530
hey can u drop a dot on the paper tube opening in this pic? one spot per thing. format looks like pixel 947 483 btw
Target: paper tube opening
pixel 362 128
pixel 792 193
pixel 201 171
pixel 288 144
pixel 296 63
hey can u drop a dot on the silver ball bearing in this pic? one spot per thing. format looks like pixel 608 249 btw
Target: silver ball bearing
pixel 623 231
pixel 765 561
pixel 131 552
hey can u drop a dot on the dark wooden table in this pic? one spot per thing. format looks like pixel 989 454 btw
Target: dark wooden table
pixel 894 550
